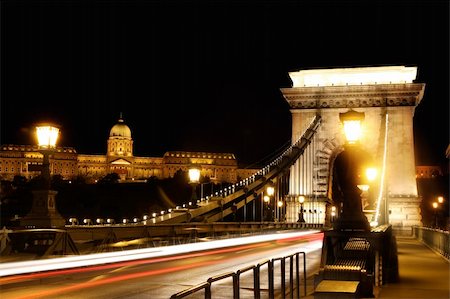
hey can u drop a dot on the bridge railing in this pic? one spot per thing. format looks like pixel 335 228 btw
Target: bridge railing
pixel 206 286
pixel 305 137
pixel 436 239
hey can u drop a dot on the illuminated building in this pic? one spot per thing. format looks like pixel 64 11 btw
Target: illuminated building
pixel 25 160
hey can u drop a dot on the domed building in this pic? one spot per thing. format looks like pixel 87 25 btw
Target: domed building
pixel 119 158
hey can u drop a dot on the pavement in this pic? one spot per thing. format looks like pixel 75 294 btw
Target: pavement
pixel 423 273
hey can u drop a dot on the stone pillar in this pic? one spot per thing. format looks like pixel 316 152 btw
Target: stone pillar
pixel 402 197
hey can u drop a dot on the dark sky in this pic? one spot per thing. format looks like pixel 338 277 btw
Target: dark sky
pixel 200 76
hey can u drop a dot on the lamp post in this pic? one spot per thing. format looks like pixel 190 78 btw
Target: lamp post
pixel 352 216
pixel 435 207
pixel 194 178
pixel 270 190
pixel 301 199
pixel 280 210
pixel 43 212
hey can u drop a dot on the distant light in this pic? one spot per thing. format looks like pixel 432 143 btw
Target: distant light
pixel 266 198
pixel 270 191
pixel 169 210
pixel 373 223
pixel 124 221
pixel 280 204
pixel 333 208
pixel 135 220
pixel 145 217
pixel 435 205
pixel 154 214
pixel 301 199
pixel 440 199
pixel 162 212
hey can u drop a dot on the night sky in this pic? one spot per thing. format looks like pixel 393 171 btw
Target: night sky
pixel 200 76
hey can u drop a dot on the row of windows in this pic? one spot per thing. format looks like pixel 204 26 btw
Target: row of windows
pixel 201 156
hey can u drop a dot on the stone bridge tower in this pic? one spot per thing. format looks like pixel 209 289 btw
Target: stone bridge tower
pixel 388 97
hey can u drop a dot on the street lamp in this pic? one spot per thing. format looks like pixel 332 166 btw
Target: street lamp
pixel 352 216
pixel 435 207
pixel 301 199
pixel 280 209
pixel 43 212
pixel 270 190
pixel 194 178
pixel 352 125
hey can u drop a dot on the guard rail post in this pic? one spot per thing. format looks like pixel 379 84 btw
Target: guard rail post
pixel 291 275
pixel 271 282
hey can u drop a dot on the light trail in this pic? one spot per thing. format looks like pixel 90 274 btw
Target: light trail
pixel 24 267
pixel 313 241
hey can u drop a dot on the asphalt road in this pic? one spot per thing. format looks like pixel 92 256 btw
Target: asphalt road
pixel 162 277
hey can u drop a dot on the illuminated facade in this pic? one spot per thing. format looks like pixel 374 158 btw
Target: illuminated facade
pixel 25 160
pixel 387 96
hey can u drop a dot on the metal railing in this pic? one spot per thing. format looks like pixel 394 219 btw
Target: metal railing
pixel 206 286
pixel 436 239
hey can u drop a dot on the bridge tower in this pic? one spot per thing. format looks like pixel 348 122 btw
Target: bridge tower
pixel 387 96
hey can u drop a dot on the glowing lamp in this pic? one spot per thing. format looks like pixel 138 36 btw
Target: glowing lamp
pixel 270 191
pixel 352 125
pixel 440 199
pixel 301 199
pixel 435 205
pixel 363 188
pixel 280 204
pixel 371 173
pixel 194 175
pixel 266 198
pixel 47 135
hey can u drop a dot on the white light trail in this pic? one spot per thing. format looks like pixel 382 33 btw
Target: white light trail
pixel 15 268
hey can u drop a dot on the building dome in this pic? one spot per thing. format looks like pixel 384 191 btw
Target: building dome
pixel 120 130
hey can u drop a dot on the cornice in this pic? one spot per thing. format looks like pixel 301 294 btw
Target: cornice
pixel 382 95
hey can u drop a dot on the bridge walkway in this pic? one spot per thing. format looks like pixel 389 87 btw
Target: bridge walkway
pixel 423 273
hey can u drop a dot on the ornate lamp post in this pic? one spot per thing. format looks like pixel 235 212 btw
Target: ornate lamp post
pixel 435 207
pixel 270 191
pixel 352 216
pixel 280 210
pixel 194 178
pixel 43 212
pixel 301 199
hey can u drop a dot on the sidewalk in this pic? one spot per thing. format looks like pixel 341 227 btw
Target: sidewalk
pixel 423 273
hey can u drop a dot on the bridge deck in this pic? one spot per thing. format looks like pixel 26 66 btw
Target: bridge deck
pixel 423 273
